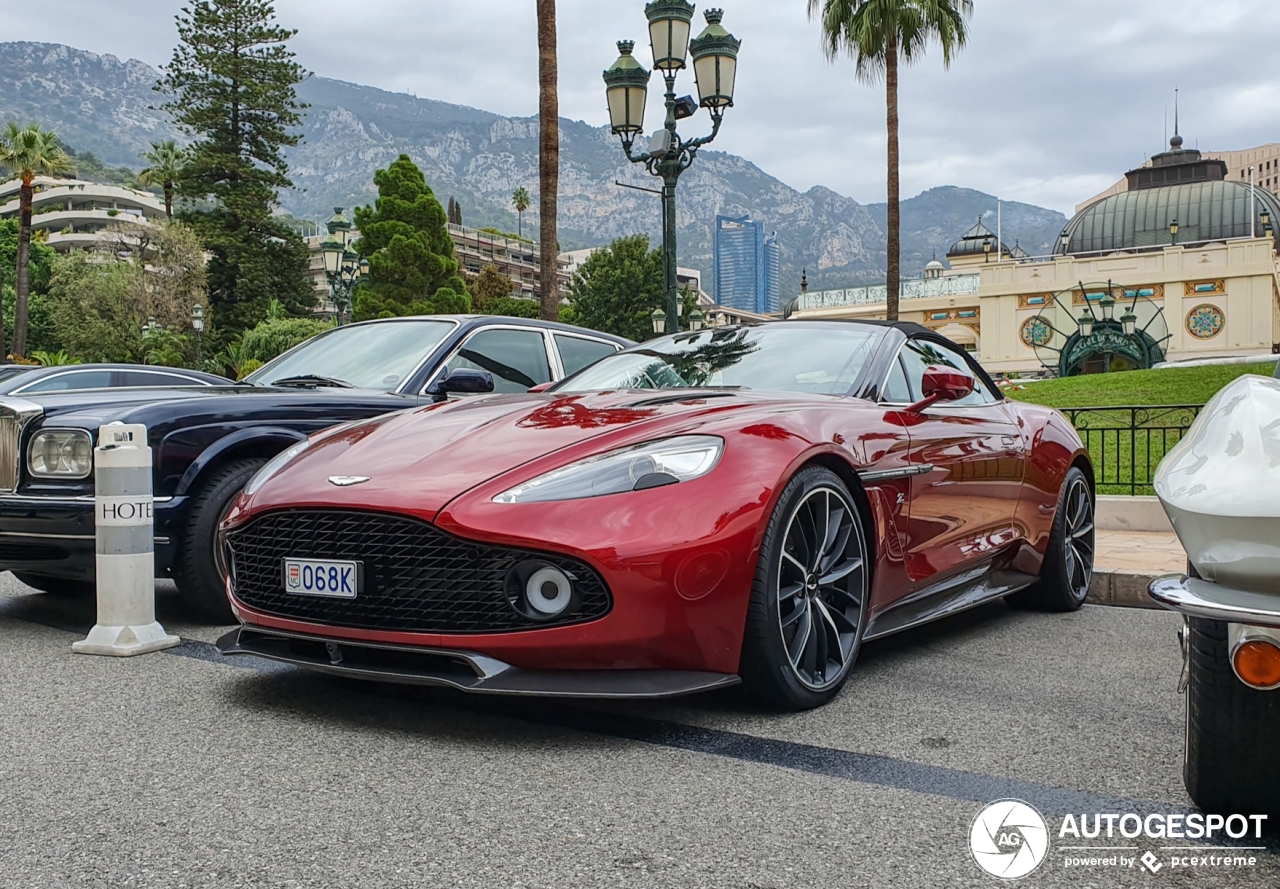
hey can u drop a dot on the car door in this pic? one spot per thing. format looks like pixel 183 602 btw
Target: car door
pixel 577 352
pixel 962 508
pixel 517 357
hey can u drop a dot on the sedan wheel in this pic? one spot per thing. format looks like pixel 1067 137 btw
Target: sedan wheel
pixel 809 601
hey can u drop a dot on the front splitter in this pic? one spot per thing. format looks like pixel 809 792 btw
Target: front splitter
pixel 463 670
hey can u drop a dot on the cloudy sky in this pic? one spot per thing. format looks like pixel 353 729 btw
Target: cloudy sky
pixel 1050 103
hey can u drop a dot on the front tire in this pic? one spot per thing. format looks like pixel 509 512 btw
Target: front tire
pixel 1068 561
pixel 809 598
pixel 1230 764
pixel 198 576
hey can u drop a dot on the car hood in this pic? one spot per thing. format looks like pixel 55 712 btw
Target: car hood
pixel 418 460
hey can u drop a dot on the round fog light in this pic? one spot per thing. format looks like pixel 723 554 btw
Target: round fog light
pixel 1257 663
pixel 548 591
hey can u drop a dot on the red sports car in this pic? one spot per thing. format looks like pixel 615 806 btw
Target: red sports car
pixel 743 503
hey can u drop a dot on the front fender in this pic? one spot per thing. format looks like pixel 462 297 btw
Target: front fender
pixel 255 441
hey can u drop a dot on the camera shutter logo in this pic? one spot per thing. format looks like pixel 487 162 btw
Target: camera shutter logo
pixel 1009 839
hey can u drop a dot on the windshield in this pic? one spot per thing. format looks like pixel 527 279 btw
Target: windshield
pixel 783 357
pixel 367 356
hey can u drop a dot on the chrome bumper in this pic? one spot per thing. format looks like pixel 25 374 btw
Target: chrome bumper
pixel 462 670
pixel 1201 598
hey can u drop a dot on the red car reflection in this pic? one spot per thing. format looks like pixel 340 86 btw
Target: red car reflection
pixel 743 504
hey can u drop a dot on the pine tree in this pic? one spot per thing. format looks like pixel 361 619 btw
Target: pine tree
pixel 412 268
pixel 231 88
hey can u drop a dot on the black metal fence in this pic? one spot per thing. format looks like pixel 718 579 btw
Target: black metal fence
pixel 1128 443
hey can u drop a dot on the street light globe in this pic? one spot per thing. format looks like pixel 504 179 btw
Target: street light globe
pixel 626 88
pixel 1129 321
pixel 696 319
pixel 332 248
pixel 1108 306
pixel 670 22
pixel 197 317
pixel 1086 324
pixel 715 62
pixel 659 318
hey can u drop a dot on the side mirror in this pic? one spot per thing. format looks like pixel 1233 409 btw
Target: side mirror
pixel 942 384
pixel 541 387
pixel 462 382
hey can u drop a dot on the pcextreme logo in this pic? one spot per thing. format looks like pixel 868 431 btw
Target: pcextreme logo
pixel 1009 839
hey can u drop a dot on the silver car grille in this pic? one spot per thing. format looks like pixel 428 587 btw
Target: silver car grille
pixel 15 414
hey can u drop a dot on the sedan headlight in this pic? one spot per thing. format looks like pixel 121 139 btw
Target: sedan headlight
pixel 60 453
pixel 636 468
pixel 274 465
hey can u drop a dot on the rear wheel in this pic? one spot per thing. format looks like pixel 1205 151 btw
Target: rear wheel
pixel 1068 560
pixel 1230 765
pixel 199 575
pixel 808 601
pixel 56 586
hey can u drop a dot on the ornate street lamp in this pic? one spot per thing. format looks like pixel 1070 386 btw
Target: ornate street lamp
pixel 1108 306
pixel 342 265
pixel 696 319
pixel 986 249
pixel 197 321
pixel 715 62
pixel 1129 321
pixel 1173 231
pixel 659 319
pixel 1086 324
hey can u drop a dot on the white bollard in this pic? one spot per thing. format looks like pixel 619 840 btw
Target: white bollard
pixel 126 559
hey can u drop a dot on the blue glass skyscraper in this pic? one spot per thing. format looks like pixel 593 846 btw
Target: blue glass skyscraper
pixel 747 265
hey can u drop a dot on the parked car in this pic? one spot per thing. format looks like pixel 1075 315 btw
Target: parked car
pixel 17 379
pixel 742 503
pixel 208 441
pixel 1220 486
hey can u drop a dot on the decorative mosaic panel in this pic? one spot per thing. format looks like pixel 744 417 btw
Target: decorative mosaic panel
pixel 1205 321
pixel 1035 332
pixel 1150 291
pixel 952 315
pixel 1034 300
pixel 1200 288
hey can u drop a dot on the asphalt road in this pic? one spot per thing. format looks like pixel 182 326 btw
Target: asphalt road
pixel 181 769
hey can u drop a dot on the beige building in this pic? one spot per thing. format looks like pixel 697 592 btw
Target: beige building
pixel 1187 251
pixel 71 213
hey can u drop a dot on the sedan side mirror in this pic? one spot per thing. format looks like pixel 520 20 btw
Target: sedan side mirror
pixel 942 384
pixel 462 381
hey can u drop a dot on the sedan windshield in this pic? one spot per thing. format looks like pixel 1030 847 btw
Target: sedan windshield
pixel 784 357
pixel 366 356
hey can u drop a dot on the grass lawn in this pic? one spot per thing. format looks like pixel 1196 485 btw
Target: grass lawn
pixel 1187 385
pixel 1128 445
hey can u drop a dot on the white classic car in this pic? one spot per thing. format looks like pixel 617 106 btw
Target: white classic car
pixel 1221 489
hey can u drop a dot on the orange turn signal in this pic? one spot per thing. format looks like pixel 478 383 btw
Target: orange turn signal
pixel 1257 663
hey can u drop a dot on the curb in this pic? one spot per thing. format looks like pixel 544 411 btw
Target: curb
pixel 1121 588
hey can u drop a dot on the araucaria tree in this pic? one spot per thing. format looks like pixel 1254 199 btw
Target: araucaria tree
pixel 548 157
pixel 231 88
pixel 879 35
pixel 165 161
pixel 412 268
pixel 27 152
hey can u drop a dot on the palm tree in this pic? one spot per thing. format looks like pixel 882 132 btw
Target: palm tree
pixel 877 35
pixel 28 152
pixel 548 158
pixel 520 197
pixel 166 161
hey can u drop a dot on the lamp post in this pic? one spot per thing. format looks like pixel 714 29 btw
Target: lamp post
pixel 1173 231
pixel 197 321
pixel 342 265
pixel 1086 324
pixel 986 249
pixel 715 64
pixel 659 319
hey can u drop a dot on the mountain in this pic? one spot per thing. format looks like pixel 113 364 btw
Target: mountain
pixel 101 104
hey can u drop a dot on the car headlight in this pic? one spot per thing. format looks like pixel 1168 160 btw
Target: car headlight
pixel 60 453
pixel 274 465
pixel 636 468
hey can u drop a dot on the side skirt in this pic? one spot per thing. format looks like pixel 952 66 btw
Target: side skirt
pixel 958 594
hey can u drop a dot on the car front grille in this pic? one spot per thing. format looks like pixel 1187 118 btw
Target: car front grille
pixel 417 578
pixel 9 431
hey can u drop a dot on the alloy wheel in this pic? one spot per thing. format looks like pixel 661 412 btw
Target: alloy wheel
pixel 822 587
pixel 1078 530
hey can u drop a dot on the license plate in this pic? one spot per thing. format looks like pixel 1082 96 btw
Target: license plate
pixel 320 577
